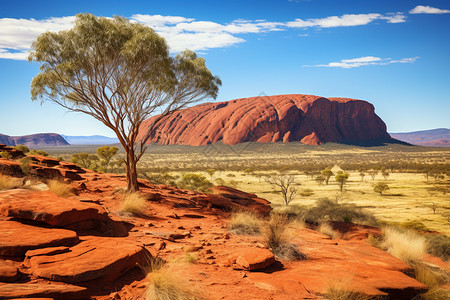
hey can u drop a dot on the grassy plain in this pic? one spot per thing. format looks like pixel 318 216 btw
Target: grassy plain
pixel 411 196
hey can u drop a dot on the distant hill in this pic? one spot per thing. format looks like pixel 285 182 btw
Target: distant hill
pixel 439 137
pixel 90 140
pixel 34 140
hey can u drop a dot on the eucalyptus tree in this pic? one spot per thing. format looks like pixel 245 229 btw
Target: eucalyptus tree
pixel 120 73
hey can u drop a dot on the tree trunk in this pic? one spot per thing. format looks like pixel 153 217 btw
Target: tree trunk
pixel 131 171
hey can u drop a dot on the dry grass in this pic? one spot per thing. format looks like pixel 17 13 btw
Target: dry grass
pixel 133 203
pixel 60 188
pixel 277 239
pixel 406 245
pixel 434 278
pixel 169 283
pixel 339 293
pixel 245 223
pixel 326 229
pixel 7 182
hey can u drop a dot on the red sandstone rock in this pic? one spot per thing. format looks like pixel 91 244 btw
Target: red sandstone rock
pixel 93 258
pixel 284 118
pixel 8 271
pixel 17 238
pixel 243 200
pixel 45 206
pixel 254 258
pixel 56 291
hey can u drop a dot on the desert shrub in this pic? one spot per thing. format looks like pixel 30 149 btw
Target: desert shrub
pixel 319 179
pixel 220 181
pixel 211 172
pixel 231 175
pixel 190 257
pixel 85 160
pixel 7 182
pixel 326 209
pixel 415 225
pixel 195 182
pixel 245 223
pixel 25 165
pixel 168 283
pixel 404 244
pixel 22 148
pixel 434 277
pixel 164 178
pixel 38 152
pixel 380 188
pixel 439 245
pixel 60 188
pixel 325 228
pixel 306 192
pixel 133 203
pixel 5 154
pixel 233 183
pixel 277 239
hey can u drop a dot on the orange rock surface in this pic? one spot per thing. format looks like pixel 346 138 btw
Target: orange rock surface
pixel 285 118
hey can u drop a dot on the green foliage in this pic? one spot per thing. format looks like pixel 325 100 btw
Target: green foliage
pixel 22 148
pixel 380 188
pixel 327 173
pixel 164 178
pixel 38 152
pixel 119 72
pixel 25 165
pixel 106 154
pixel 195 182
pixel 5 154
pixel 220 181
pixel 328 210
pixel 211 172
pixel 85 160
pixel 341 178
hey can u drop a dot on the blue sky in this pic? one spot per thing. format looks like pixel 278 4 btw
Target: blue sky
pixel 394 54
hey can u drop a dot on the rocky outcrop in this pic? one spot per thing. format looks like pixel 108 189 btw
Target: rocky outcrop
pixel 285 118
pixel 34 140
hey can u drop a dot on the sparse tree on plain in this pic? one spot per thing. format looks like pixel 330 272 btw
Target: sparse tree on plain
pixel 284 184
pixel 362 173
pixel 85 160
pixel 380 188
pixel 385 173
pixel 211 173
pixel 120 73
pixel 341 178
pixel 327 173
pixel 373 173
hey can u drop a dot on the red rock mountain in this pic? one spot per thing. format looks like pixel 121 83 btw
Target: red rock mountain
pixel 285 118
pixel 33 140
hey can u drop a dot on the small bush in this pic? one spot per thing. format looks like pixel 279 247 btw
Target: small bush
pixel 434 278
pixel 439 245
pixel 22 148
pixel 195 182
pixel 38 152
pixel 306 192
pixel 133 203
pixel 277 239
pixel 406 245
pixel 60 188
pixel 380 188
pixel 328 210
pixel 5 154
pixel 25 165
pixel 338 293
pixel 7 183
pixel 245 223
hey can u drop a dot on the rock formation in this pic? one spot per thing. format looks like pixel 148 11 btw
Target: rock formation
pixel 33 140
pixel 285 118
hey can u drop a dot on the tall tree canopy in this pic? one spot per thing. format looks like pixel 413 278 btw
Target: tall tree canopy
pixel 120 73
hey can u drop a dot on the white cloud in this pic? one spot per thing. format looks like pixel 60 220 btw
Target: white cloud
pixel 346 20
pixel 365 61
pixel 158 20
pixel 421 9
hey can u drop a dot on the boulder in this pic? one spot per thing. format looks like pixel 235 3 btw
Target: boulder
pixel 284 118
pixel 243 200
pixel 40 289
pixel 254 258
pixel 17 238
pixel 8 271
pixel 94 258
pixel 47 207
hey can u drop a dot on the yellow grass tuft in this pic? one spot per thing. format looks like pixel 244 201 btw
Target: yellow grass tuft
pixel 245 223
pixel 326 229
pixel 60 188
pixel 168 283
pixel 133 203
pixel 7 182
pixel 337 293
pixel 406 245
